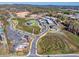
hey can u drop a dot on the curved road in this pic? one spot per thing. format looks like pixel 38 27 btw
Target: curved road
pixel 32 52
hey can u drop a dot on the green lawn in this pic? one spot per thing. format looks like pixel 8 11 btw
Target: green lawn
pixel 34 23
pixel 27 28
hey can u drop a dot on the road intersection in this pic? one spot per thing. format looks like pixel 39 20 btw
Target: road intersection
pixel 33 46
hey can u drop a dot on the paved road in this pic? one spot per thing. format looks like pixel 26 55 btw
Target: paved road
pixel 33 47
pixel 32 52
pixel 11 33
pixel 11 15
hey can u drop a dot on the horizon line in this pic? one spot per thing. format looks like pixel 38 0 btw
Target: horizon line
pixel 44 3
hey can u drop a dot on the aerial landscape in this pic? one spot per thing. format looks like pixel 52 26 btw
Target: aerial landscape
pixel 39 29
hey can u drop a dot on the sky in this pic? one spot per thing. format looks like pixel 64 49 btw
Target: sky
pixel 44 3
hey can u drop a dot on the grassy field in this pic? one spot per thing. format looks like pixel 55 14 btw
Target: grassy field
pixel 3 52
pixel 54 43
pixel 27 28
pixel 34 23
pixel 72 37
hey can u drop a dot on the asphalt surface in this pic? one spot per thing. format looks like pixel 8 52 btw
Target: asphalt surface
pixel 13 35
pixel 32 52
pixel 33 48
